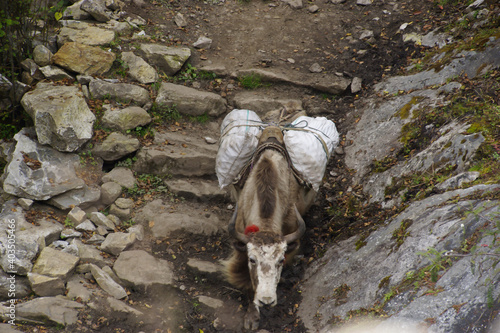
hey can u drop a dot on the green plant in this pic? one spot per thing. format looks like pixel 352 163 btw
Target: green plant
pixel 122 68
pixel 127 163
pixel 206 75
pixel 250 81
pixel 165 113
pixel 189 73
pixel 202 119
pixel 438 260
pixel 68 223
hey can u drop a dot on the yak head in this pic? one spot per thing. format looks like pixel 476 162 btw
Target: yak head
pixel 266 252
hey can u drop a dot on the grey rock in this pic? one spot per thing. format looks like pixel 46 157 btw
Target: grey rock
pixel 315 68
pixel 434 225
pixel 139 69
pixel 86 226
pixel 107 283
pixel 116 146
pixel 10 282
pixel 313 9
pixel 457 181
pixel 204 267
pixel 124 203
pixel 25 203
pixel 165 222
pixel 8 328
pixel 382 117
pixel 122 176
pixel 190 101
pixel 472 63
pixel 55 263
pixel 364 2
pixel 119 91
pixel 366 34
pixel 54 73
pixel 196 158
pixel 168 59
pixel 96 239
pixel 49 310
pixel 180 21
pixel 100 219
pixel 89 254
pixel 61 116
pixel 46 285
pixel 84 197
pixel 122 310
pixel 29 238
pixel 102 231
pixel 203 43
pixel 199 189
pixel 126 119
pixel 123 214
pixel 108 270
pixel 70 233
pixel 263 104
pixel 42 55
pixel 295 4
pixel 138 230
pixel 77 215
pixel 356 85
pixel 110 191
pixel 140 270
pixel 77 290
pixel 117 242
pixel 75 12
pixel 84 59
pixel 211 302
pixel 97 9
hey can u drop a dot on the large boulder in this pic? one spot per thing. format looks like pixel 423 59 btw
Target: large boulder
pixel 49 310
pixel 123 92
pixel 190 101
pixel 84 33
pixel 400 258
pixel 61 116
pixel 116 146
pixel 39 172
pixel 84 59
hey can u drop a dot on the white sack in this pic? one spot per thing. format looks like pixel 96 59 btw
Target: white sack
pixel 310 146
pixel 240 133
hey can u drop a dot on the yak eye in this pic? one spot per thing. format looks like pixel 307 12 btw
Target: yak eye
pixel 252 260
pixel 282 261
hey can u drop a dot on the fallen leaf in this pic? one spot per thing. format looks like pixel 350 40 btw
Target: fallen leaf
pixel 151 224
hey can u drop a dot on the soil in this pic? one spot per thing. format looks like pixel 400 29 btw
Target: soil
pixel 271 35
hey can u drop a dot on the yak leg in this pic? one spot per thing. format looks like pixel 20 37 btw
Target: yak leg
pixel 252 317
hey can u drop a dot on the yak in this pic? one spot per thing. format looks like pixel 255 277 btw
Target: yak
pixel 267 223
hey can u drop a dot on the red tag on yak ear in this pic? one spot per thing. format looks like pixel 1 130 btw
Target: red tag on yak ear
pixel 251 229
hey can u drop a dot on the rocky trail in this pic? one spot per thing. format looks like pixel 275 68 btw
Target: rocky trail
pixel 114 204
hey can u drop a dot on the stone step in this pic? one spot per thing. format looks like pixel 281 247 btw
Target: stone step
pixel 197 189
pixel 177 154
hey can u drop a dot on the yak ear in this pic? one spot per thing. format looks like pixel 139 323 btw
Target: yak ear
pixel 240 246
pixel 292 246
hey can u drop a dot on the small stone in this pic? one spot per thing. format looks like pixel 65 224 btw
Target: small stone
pixel 46 285
pixel 313 9
pixel 356 85
pixel 117 242
pixel 203 43
pixel 315 68
pixel 138 230
pixel 77 216
pixel 364 2
pixel 86 225
pixel 101 220
pixel 95 239
pixel 25 203
pixel 124 203
pixel 291 60
pixel 107 283
pixel 102 230
pixel 110 191
pixel 180 21
pixel 123 214
pixel 210 141
pixel 70 233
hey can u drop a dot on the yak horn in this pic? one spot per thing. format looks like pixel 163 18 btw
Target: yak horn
pixel 231 228
pixel 301 228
